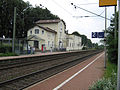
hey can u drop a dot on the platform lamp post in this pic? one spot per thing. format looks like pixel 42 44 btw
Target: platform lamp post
pixel 14 29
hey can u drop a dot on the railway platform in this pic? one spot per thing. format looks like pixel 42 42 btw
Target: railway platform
pixel 30 55
pixel 79 77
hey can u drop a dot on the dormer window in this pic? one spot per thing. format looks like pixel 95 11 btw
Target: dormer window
pixel 36 31
pixel 31 32
pixel 42 31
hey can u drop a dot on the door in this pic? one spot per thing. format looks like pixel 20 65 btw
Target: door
pixel 36 44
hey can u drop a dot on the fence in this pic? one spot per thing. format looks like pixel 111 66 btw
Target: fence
pixel 20 45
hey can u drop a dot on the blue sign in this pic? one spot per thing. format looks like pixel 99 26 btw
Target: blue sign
pixel 94 34
pixel 100 34
pixel 97 34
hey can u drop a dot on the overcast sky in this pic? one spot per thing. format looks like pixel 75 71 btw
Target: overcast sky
pixel 66 11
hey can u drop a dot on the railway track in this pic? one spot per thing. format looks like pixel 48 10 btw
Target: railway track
pixel 21 74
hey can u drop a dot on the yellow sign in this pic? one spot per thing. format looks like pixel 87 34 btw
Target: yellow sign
pixel 107 3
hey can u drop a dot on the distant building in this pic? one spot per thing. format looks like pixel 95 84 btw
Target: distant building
pixel 73 42
pixel 51 35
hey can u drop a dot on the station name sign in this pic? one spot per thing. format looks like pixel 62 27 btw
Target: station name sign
pixel 103 3
pixel 97 34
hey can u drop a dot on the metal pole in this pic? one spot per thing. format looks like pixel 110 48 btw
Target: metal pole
pixel 118 77
pixel 13 41
pixel 115 33
pixel 105 36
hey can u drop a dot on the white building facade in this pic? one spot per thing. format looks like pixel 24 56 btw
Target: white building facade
pixel 43 38
pixel 51 35
pixel 74 42
pixel 58 26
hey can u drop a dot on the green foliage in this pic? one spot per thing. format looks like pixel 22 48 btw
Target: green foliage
pixel 111 68
pixel 25 19
pixel 84 48
pixel 76 33
pixel 95 45
pixel 101 46
pixel 89 43
pixel 112 42
pixel 106 84
pixel 109 82
pixel 7 54
pixel 5 48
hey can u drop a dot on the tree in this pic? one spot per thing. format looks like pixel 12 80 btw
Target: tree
pixel 112 42
pixel 6 16
pixel 26 16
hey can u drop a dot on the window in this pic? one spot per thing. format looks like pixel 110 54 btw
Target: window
pixel 60 34
pixel 42 31
pixel 30 32
pixel 48 43
pixel 60 27
pixel 49 35
pixel 52 43
pixel 36 31
pixel 53 34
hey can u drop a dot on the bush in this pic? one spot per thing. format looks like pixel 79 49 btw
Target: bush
pixel 5 48
pixel 112 51
pixel 7 54
pixel 106 83
pixel 84 48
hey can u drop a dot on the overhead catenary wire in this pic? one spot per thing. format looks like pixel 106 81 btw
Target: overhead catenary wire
pixel 62 7
pixel 87 16
pixel 88 3
pixel 89 11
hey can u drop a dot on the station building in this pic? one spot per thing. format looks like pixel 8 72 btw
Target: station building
pixel 51 35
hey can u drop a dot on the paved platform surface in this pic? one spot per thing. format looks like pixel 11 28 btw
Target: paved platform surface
pixel 30 55
pixel 79 77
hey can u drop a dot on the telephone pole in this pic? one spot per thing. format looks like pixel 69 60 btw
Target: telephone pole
pixel 14 27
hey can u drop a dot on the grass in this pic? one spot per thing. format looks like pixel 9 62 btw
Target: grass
pixel 7 54
pixel 111 68
pixel 109 81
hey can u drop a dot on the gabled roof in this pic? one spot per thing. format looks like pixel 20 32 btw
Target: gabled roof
pixel 47 29
pixel 48 21
pixel 34 37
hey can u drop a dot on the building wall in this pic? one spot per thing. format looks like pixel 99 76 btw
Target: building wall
pixel 74 42
pixel 48 38
pixel 59 40
pixel 60 37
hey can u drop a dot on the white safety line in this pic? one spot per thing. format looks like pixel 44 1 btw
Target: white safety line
pixel 76 73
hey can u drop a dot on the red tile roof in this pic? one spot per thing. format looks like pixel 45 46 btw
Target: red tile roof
pixel 47 29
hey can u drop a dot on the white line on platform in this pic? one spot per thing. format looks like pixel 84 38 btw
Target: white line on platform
pixel 77 73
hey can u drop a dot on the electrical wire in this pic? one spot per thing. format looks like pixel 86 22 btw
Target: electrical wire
pixel 89 11
pixel 88 4
pixel 62 7
pixel 87 16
